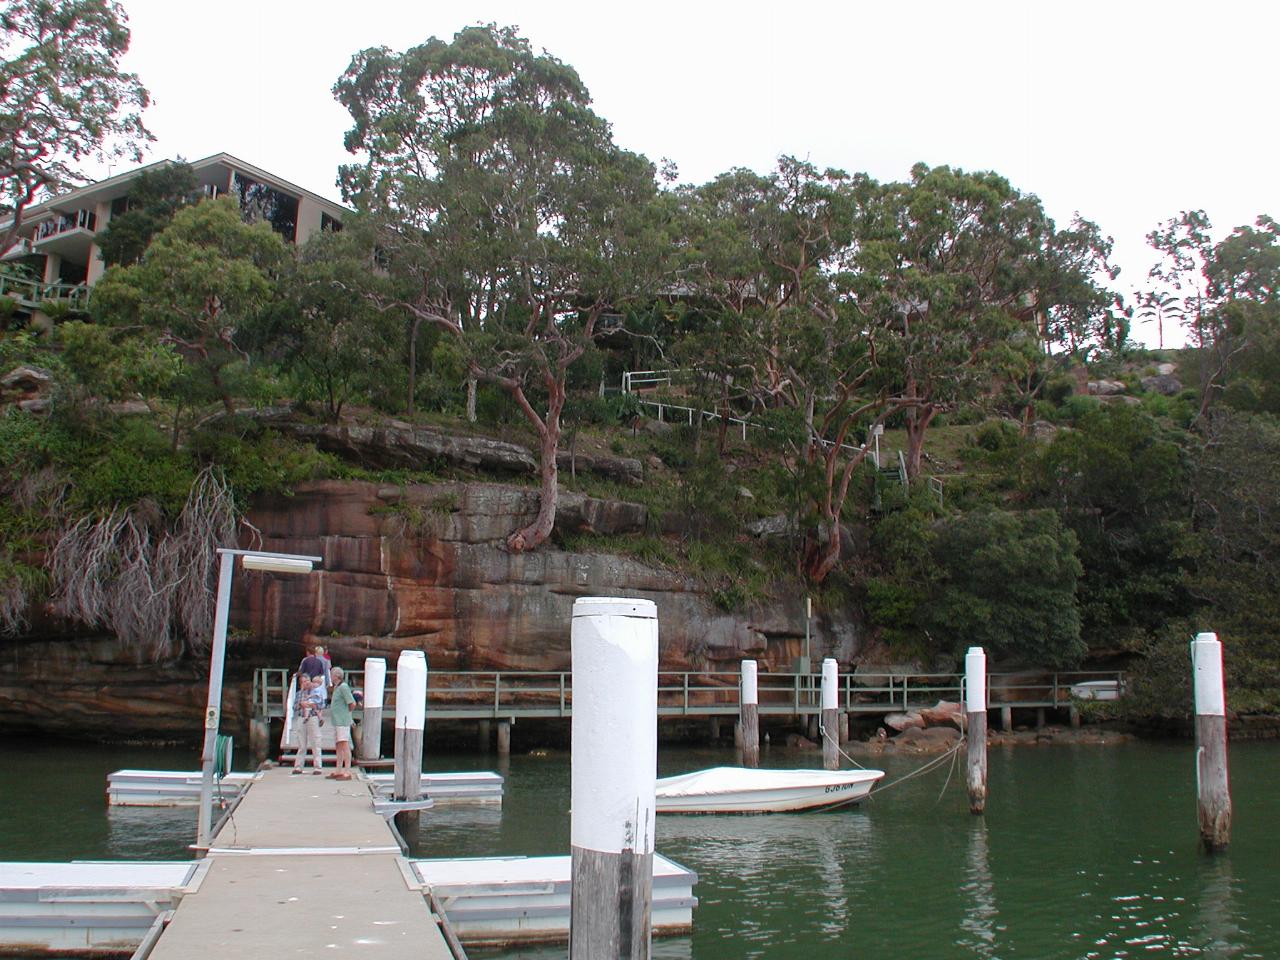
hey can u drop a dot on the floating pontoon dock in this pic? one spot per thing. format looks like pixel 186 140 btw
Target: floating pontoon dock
pixel 504 900
pixel 176 788
pixel 302 864
pixel 86 906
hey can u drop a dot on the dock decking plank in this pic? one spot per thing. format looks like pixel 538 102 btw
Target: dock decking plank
pixel 303 866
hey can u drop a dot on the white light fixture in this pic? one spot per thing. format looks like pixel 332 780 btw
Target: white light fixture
pixel 256 561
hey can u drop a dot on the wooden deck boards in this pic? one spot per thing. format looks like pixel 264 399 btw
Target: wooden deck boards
pixel 304 867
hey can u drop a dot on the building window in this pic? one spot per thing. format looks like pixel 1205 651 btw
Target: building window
pixel 261 202
pixel 329 224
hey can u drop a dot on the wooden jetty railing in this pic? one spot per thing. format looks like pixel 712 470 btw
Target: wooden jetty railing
pixel 498 694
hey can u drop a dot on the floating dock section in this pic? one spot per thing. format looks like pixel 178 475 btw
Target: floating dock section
pixel 177 788
pixel 505 900
pixel 87 907
pixel 302 865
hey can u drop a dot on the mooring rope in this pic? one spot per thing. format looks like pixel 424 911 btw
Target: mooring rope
pixel 924 768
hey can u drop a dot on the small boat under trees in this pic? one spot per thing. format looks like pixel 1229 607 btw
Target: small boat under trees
pixel 742 790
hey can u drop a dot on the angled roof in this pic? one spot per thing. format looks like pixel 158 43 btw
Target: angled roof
pixel 118 186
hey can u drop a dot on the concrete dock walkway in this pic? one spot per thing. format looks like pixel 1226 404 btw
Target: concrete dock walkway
pixel 304 866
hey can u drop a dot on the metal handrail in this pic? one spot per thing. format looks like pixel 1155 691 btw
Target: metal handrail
pixel 34 292
pixel 512 693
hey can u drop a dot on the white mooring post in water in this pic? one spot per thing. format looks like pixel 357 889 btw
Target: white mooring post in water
pixel 411 719
pixel 614 766
pixel 1213 788
pixel 749 713
pixel 830 714
pixel 375 688
pixel 975 706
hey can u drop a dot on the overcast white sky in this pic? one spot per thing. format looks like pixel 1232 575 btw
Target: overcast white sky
pixel 1124 111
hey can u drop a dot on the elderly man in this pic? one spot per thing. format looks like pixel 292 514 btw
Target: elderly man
pixel 308 703
pixel 342 704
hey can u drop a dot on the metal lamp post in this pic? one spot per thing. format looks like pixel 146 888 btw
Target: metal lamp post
pixel 251 560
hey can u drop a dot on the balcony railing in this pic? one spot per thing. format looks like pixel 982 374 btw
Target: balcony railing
pixel 80 220
pixel 32 293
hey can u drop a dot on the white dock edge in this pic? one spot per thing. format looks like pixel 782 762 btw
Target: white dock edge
pixel 179 788
pixel 503 900
pixel 87 907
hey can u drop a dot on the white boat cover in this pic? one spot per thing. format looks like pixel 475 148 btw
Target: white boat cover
pixel 723 780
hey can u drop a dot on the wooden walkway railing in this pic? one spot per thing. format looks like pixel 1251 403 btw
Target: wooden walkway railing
pixel 498 694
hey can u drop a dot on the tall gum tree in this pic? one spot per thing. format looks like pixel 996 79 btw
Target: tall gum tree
pixel 769 254
pixel 63 98
pixel 952 270
pixel 503 212
pixel 205 280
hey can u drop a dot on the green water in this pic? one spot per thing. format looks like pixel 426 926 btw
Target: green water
pixel 1085 852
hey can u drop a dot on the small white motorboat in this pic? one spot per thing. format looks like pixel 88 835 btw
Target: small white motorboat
pixel 1097 690
pixel 740 790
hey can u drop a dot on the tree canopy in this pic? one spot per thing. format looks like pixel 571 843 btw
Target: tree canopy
pixel 63 97
pixel 503 212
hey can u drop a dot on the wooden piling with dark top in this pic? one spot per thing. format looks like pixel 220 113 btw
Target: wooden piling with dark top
pixel 375 684
pixel 749 714
pixel 975 694
pixel 614 750
pixel 411 710
pixel 1213 787
pixel 504 738
pixel 830 714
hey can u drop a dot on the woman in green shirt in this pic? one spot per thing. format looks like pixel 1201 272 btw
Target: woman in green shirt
pixel 341 704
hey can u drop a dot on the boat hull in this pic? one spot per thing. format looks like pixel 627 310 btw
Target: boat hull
pixel 820 793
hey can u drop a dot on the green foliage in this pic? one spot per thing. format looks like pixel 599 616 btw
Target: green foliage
pixel 115 367
pixel 326 331
pixel 63 97
pixel 204 281
pixel 155 196
pixel 1119 481
pixel 1008 584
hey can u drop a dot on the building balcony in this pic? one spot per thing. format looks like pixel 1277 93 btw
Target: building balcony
pixel 32 294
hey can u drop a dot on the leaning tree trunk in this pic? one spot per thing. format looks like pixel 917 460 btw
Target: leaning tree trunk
pixel 822 553
pixel 536 533
pixel 917 423
pixel 414 327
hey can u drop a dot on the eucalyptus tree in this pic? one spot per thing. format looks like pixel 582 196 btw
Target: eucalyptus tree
pixel 1229 290
pixel 154 197
pixel 770 255
pixel 503 212
pixel 338 346
pixel 956 272
pixel 63 98
pixel 202 284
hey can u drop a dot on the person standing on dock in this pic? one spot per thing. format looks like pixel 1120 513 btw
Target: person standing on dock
pixel 343 702
pixel 314 664
pixel 307 706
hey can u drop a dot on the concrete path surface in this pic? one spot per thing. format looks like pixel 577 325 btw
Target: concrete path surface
pixel 304 867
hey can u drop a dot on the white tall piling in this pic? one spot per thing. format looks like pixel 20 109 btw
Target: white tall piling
pixel 975 699
pixel 1213 788
pixel 411 719
pixel 749 711
pixel 830 714
pixel 375 687
pixel 615 755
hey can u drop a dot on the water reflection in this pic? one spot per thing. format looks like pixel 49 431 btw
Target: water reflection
pixel 148 833
pixel 979 893
pixel 1216 917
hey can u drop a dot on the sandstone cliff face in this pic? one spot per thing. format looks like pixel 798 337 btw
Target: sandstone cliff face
pixel 419 567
